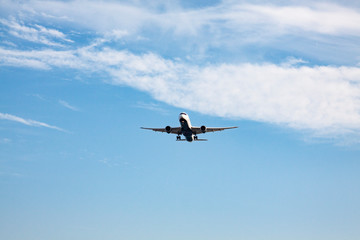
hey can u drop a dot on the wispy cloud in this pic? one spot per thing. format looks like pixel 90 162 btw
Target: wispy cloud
pixel 41 59
pixel 29 122
pixel 114 162
pixel 38 96
pixel 321 18
pixel 36 33
pixel 8 43
pixel 67 105
pixel 5 140
pixel 11 174
pixel 291 61
pixel 109 163
pixel 151 106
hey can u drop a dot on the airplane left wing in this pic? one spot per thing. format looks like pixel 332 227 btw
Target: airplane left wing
pixel 175 130
pixel 198 130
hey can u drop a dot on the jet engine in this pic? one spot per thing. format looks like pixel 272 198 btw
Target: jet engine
pixel 168 129
pixel 203 129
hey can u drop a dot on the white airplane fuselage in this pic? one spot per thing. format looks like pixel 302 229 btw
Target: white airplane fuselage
pixel 185 124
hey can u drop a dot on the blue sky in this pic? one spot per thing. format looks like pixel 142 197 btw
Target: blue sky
pixel 79 79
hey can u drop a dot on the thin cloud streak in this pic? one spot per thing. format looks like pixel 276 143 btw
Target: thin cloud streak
pixel 41 59
pixel 11 174
pixel 5 140
pixel 28 122
pixel 36 34
pixel 67 105
pixel 151 107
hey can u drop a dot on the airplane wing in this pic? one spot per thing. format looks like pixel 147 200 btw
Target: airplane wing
pixel 175 130
pixel 197 130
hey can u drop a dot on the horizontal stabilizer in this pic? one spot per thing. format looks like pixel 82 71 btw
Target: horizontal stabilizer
pixel 193 140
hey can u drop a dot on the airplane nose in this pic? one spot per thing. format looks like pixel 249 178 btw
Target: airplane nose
pixel 182 117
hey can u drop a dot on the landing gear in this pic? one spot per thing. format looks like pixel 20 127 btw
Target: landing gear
pixel 195 137
pixel 178 138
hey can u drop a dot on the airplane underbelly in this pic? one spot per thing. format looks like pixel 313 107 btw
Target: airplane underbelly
pixel 185 127
pixel 189 138
pixel 186 131
pixel 188 135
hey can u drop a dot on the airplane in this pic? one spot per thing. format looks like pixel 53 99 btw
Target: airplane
pixel 189 132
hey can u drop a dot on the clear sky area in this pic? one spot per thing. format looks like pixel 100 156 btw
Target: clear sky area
pixel 79 78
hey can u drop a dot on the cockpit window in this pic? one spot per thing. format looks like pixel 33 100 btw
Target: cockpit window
pixel 183 113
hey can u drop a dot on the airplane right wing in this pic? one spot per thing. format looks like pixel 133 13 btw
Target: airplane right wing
pixel 198 130
pixel 212 129
pixel 175 130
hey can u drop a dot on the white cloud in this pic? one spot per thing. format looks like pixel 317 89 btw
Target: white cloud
pixel 325 32
pixel 37 33
pixel 67 105
pixel 321 98
pixel 29 122
pixel 224 21
pixel 322 18
pixel 9 43
pixel 291 61
pixel 317 98
pixel 42 59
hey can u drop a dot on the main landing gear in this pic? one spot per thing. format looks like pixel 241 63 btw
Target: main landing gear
pixel 178 138
pixel 195 137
